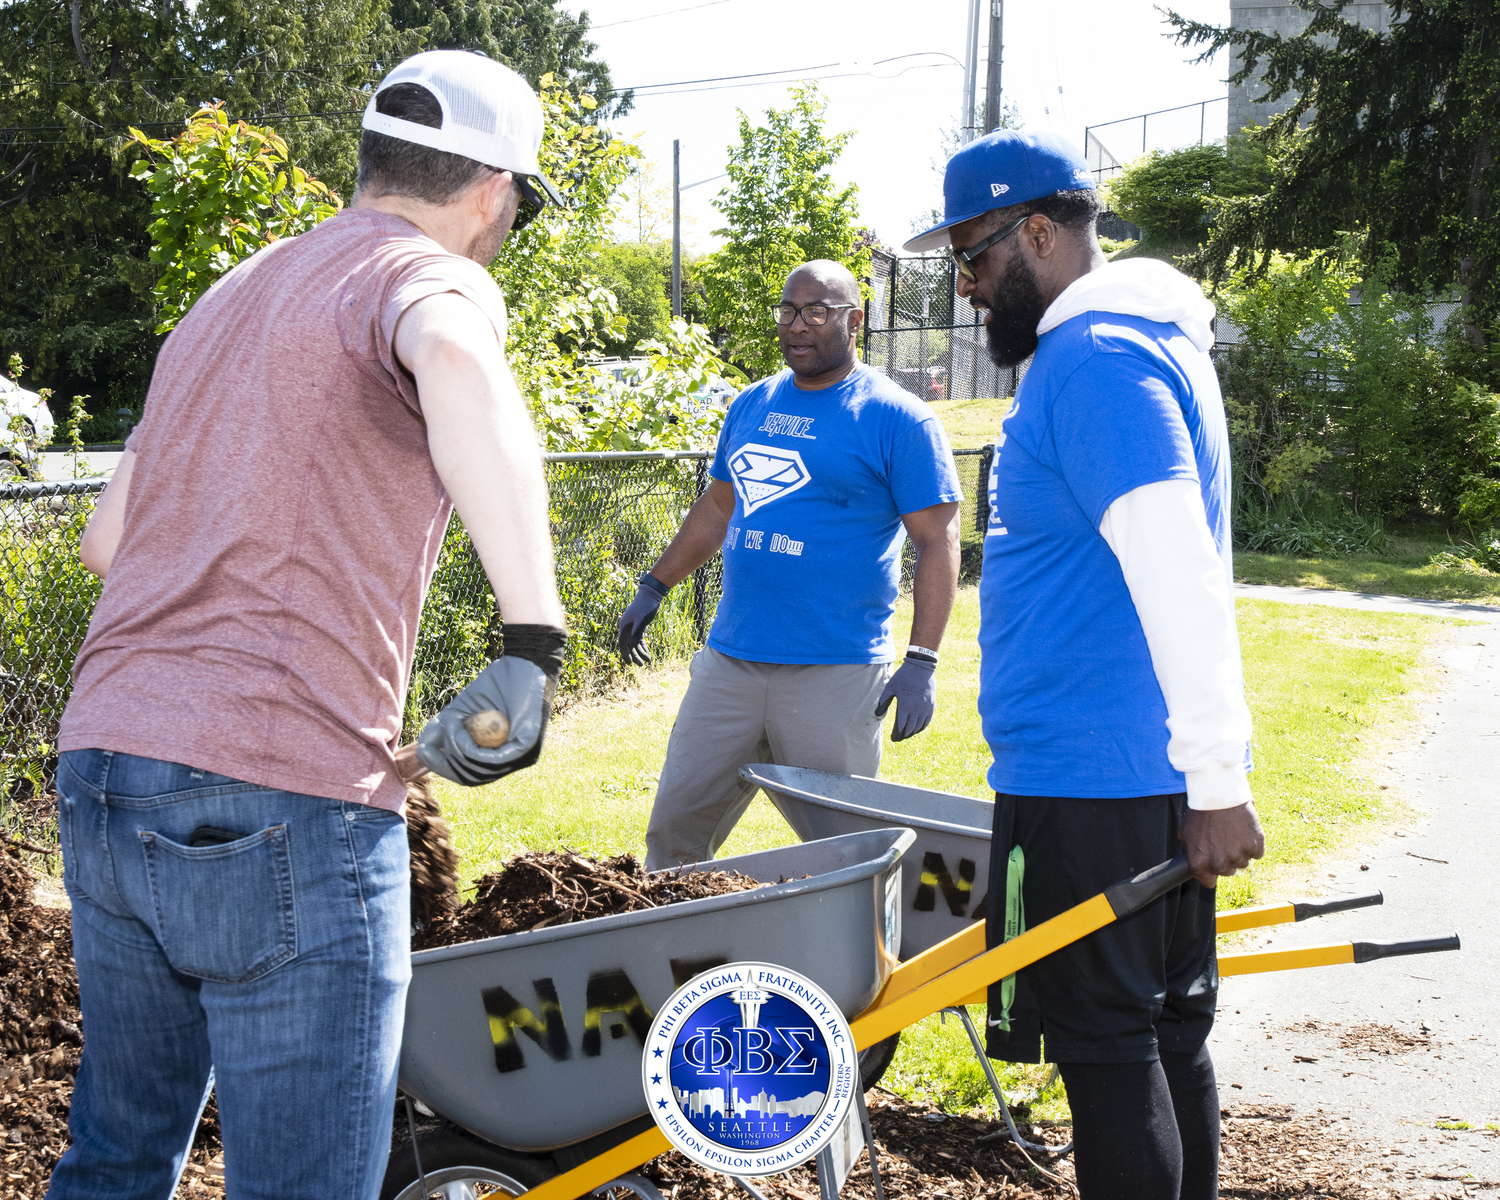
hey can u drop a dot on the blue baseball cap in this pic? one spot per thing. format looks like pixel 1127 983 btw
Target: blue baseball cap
pixel 1001 169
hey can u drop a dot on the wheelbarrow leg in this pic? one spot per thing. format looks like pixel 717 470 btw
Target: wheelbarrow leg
pixel 989 1071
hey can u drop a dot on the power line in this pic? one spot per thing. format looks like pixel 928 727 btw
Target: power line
pixel 671 12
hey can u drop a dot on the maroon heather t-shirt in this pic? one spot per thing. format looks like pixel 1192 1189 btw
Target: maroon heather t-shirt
pixel 283 522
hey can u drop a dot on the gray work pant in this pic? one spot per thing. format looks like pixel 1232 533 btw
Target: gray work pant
pixel 820 716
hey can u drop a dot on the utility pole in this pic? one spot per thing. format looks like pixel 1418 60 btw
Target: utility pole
pixel 992 82
pixel 971 73
pixel 676 228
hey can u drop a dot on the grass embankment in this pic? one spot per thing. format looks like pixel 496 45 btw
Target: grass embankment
pixel 1327 687
pixel 971 424
pixel 1404 570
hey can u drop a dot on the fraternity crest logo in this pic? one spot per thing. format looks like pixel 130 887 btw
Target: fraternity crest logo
pixel 749 1069
pixel 765 473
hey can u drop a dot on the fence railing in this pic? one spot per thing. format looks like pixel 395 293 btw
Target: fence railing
pixel 612 515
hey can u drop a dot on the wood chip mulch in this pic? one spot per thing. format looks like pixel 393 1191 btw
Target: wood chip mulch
pixel 1370 1036
pixel 1269 1151
pixel 534 891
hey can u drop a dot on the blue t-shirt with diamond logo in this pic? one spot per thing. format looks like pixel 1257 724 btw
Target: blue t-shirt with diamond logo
pixel 812 556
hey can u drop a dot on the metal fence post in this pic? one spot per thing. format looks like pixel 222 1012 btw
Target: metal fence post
pixel 700 576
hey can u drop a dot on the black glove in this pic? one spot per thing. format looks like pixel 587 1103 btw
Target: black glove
pixel 648 597
pixel 521 684
pixel 914 688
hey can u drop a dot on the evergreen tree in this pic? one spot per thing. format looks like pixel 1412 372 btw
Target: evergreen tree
pixel 1391 131
pixel 75 277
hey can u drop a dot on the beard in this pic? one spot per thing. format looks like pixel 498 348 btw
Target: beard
pixel 487 242
pixel 1016 308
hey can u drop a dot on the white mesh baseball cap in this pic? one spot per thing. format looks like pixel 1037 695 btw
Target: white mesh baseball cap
pixel 490 114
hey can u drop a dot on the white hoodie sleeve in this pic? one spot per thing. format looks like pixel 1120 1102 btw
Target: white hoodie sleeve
pixel 1159 533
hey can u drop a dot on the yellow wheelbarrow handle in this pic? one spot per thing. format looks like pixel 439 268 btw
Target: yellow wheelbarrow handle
pixel 931 981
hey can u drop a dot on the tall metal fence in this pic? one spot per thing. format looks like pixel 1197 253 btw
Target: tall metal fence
pixel 612 515
pixel 920 333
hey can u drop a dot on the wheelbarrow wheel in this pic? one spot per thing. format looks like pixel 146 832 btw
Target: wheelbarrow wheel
pixel 873 1061
pixel 459 1166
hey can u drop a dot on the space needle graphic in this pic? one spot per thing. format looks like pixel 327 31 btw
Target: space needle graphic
pixel 749 1000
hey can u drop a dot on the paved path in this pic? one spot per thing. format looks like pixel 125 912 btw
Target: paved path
pixel 1278 1037
pixel 1368 600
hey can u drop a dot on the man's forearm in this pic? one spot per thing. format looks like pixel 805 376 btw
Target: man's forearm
pixel 935 579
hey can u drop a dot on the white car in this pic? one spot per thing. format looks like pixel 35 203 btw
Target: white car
pixel 20 449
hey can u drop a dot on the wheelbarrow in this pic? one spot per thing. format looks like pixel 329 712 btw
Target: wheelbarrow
pixel 946 882
pixel 529 1044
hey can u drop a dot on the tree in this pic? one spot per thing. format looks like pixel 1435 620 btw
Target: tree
pixel 1173 194
pixel 782 209
pixel 76 283
pixel 533 37
pixel 222 190
pixel 1399 140
pixel 633 271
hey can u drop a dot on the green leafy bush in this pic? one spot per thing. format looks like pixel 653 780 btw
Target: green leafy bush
pixel 220 191
pixel 1280 531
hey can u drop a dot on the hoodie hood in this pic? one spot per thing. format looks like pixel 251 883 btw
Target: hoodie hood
pixel 1137 287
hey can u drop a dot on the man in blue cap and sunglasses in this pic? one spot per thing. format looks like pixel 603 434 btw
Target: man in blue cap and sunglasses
pixel 1110 684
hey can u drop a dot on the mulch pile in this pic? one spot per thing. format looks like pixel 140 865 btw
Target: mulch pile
pixel 1370 1036
pixel 1269 1152
pixel 535 891
pixel 40 1042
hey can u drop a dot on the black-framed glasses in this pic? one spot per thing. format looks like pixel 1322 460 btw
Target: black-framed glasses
pixel 962 258
pixel 811 314
pixel 529 207
pixel 532 200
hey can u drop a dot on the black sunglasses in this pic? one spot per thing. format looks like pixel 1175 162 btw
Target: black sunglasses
pixel 529 207
pixel 962 258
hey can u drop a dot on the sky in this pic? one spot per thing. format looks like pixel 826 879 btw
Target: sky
pixel 892 72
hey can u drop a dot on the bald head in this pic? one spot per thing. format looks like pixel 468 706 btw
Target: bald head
pixel 835 280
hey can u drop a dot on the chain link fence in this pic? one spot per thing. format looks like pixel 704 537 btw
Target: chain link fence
pixel 612 516
pixel 920 333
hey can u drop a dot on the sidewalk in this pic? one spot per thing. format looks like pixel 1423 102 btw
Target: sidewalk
pixel 1370 601
pixel 1385 1050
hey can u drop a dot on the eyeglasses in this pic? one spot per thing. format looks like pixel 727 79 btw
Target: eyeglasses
pixel 962 258
pixel 811 314
pixel 529 206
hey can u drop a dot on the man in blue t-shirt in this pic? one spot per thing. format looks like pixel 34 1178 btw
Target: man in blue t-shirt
pixel 1110 685
pixel 821 473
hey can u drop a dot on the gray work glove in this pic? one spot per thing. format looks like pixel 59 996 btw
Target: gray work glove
pixel 914 688
pixel 633 621
pixel 520 684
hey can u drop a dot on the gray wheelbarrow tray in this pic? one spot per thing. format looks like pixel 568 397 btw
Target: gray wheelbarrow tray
pixel 533 1040
pixel 946 875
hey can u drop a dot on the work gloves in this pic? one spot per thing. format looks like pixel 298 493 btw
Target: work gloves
pixel 914 689
pixel 519 685
pixel 633 622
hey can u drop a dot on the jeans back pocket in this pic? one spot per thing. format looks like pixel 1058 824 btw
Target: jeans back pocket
pixel 224 913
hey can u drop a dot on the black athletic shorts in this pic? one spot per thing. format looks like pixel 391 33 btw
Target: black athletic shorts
pixel 1115 996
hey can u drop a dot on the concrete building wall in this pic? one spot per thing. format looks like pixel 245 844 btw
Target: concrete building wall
pixel 1279 16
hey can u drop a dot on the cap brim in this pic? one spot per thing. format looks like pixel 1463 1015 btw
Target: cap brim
pixel 552 193
pixel 937 237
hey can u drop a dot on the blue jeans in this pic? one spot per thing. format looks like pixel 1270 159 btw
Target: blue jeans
pixel 272 967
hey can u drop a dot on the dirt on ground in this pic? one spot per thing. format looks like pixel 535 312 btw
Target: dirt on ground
pixel 1269 1151
pixel 538 890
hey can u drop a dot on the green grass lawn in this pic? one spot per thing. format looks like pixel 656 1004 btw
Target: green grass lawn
pixel 1327 688
pixel 1395 575
pixel 971 423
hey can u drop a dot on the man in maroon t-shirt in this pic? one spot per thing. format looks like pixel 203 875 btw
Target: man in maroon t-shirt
pixel 229 801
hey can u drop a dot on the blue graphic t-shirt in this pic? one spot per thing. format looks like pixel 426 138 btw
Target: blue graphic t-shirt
pixel 812 557
pixel 1068 698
